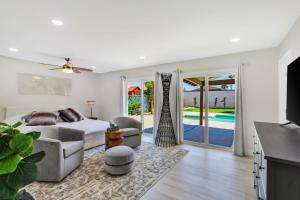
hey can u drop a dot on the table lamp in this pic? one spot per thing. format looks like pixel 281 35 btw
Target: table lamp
pixel 91 104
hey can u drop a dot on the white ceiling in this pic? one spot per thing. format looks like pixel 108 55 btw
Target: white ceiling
pixel 113 34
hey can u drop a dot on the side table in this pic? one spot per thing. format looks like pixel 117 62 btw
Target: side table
pixel 112 139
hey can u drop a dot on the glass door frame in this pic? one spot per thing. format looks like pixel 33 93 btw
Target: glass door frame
pixel 142 81
pixel 206 75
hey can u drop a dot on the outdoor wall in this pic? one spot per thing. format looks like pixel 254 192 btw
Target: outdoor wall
pixel 230 99
pixel 83 86
pixel 260 88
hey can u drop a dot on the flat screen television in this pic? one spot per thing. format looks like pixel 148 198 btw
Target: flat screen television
pixel 293 92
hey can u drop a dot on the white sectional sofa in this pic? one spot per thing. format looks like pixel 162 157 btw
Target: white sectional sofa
pixel 94 129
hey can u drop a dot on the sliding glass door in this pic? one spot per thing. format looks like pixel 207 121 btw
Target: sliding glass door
pixel 221 110
pixel 194 115
pixel 209 109
pixel 141 102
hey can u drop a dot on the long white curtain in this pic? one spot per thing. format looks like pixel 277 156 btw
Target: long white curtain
pixel 158 99
pixel 177 115
pixel 239 147
pixel 176 104
pixel 124 110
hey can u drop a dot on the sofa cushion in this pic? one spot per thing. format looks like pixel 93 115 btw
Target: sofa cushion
pixel 70 115
pixel 71 147
pixel 130 131
pixel 42 119
pixel 66 116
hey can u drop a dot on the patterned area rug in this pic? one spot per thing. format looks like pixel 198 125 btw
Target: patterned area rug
pixel 91 182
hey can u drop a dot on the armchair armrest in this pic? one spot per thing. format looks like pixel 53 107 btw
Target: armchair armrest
pixel 127 122
pixel 68 134
pixel 52 166
pixel 135 124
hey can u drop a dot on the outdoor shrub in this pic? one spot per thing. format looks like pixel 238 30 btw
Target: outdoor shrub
pixel 134 105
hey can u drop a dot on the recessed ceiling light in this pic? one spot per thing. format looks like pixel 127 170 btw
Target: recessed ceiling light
pixel 13 49
pixel 93 67
pixel 57 22
pixel 142 57
pixel 235 39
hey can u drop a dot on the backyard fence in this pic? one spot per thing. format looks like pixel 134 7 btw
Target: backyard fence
pixel 216 99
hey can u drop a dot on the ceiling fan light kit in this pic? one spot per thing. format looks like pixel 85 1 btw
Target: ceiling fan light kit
pixel 67 71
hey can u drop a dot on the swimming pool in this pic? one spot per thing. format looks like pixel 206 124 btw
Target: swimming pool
pixel 216 118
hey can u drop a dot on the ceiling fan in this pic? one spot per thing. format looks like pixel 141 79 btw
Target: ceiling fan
pixel 68 67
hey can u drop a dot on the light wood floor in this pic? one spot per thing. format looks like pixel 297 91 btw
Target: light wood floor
pixel 206 174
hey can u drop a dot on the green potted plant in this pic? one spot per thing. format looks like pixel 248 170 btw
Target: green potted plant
pixel 17 163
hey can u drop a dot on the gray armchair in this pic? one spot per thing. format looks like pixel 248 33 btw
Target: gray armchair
pixel 132 130
pixel 64 149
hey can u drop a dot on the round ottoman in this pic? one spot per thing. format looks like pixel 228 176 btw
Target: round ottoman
pixel 118 160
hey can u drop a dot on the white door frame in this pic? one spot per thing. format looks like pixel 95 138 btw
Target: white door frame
pixel 142 81
pixel 206 75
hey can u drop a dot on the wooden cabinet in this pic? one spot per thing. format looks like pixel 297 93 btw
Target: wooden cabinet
pixel 276 165
pixel 259 169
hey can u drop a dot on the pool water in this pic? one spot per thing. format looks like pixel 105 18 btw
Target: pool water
pixel 216 118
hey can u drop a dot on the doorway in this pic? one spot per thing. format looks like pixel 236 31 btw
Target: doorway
pixel 209 109
pixel 141 101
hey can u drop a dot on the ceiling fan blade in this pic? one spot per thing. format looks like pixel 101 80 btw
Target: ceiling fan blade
pixel 56 68
pixel 49 64
pixel 76 71
pixel 83 69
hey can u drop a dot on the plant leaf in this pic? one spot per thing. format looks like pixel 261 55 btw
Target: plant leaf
pixel 5 191
pixel 34 158
pixel 16 125
pixel 4 147
pixel 9 164
pixel 7 152
pixel 15 132
pixel 4 129
pixel 3 124
pixel 26 153
pixel 20 143
pixel 10 131
pixel 23 195
pixel 35 135
pixel 25 174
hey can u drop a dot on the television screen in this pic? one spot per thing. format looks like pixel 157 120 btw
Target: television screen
pixel 293 92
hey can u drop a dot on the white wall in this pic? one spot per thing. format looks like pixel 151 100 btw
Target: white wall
pixel 260 84
pixel 292 41
pixel 84 86
pixel 289 50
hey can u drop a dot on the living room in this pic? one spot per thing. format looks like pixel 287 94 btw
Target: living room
pixel 146 83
